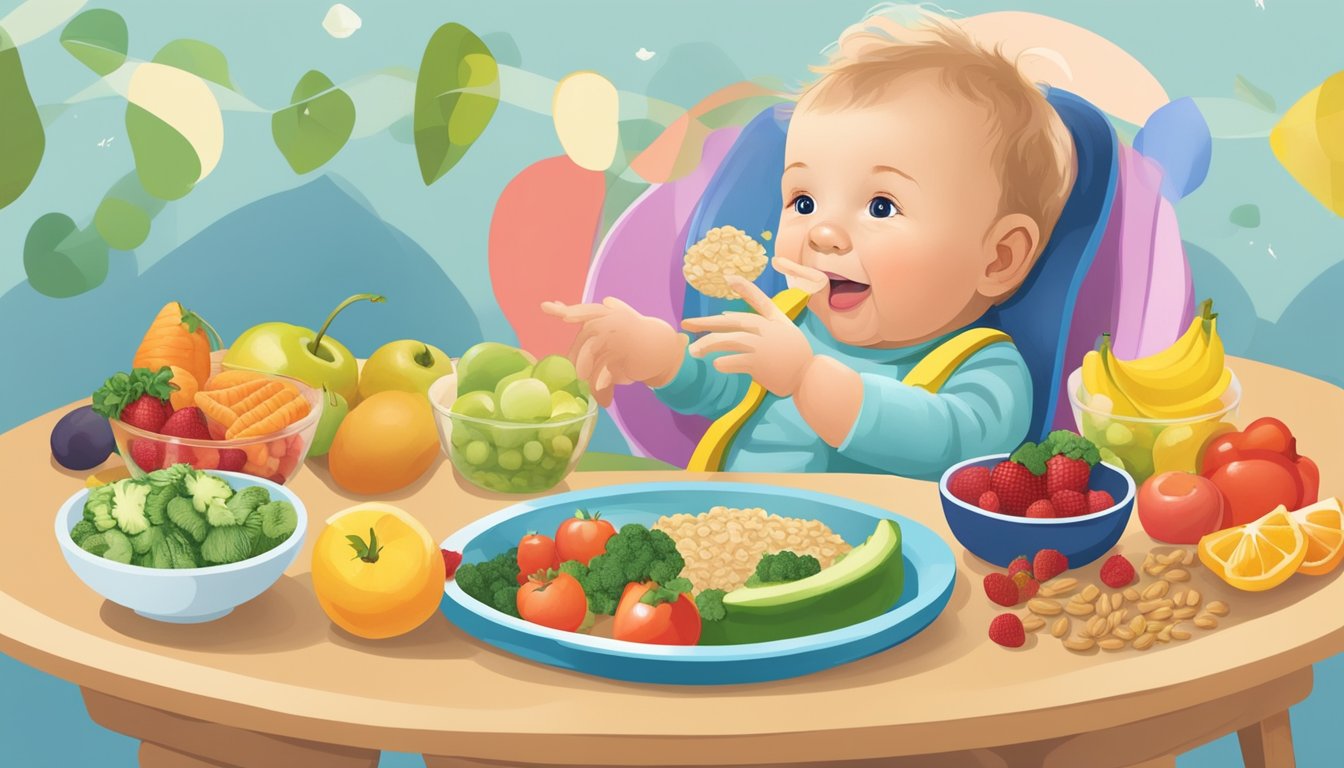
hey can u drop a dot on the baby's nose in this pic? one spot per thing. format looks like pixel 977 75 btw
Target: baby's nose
pixel 828 238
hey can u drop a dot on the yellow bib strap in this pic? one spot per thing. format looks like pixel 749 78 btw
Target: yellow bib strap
pixel 713 446
pixel 933 371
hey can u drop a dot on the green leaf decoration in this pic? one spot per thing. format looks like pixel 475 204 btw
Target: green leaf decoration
pixel 316 125
pixel 1246 216
pixel 448 120
pixel 1256 97
pixel 98 39
pixel 62 260
pixel 123 217
pixel 201 59
pixel 167 164
pixel 22 139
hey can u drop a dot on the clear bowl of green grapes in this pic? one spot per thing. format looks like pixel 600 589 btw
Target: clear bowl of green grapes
pixel 511 423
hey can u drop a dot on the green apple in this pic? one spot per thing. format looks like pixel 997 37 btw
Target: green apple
pixel 290 350
pixel 334 408
pixel 406 365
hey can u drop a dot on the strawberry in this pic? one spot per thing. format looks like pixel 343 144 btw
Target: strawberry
pixel 232 459
pixel 1048 564
pixel 1001 589
pixel 1021 479
pixel 969 484
pixel 1021 578
pixel 1029 590
pixel 1070 462
pixel 189 423
pixel 138 398
pixel 1117 572
pixel 450 562
pixel 1019 564
pixel 989 501
pixel 1007 630
pixel 147 454
pixel 1042 509
pixel 1069 503
pixel 1098 501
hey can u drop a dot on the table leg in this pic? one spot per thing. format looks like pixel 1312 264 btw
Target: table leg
pixel 1268 743
pixel 170 740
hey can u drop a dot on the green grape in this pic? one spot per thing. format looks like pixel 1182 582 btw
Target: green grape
pixel 476 453
pixel 532 451
pixel 510 459
pixel 525 400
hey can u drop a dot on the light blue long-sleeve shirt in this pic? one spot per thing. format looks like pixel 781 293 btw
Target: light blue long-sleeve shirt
pixel 983 408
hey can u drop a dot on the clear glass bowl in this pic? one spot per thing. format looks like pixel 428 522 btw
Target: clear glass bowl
pixel 505 456
pixel 276 457
pixel 1145 447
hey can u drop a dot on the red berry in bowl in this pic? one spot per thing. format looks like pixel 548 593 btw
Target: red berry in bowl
pixel 1069 503
pixel 147 454
pixel 1117 572
pixel 188 423
pixel 989 501
pixel 1016 485
pixel 1007 630
pixel 1042 509
pixel 232 459
pixel 1098 501
pixel 969 484
pixel 1002 590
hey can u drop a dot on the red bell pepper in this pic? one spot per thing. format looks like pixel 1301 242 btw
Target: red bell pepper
pixel 1259 468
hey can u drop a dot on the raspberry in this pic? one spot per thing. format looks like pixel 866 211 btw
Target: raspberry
pixel 1002 590
pixel 1020 563
pixel 1099 500
pixel 1069 503
pixel 1048 564
pixel 1117 572
pixel 989 501
pixel 1007 630
pixel 1041 509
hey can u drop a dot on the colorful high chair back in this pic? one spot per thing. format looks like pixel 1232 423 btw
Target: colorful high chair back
pixel 1114 263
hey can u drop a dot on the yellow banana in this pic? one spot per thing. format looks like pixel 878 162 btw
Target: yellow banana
pixel 1194 375
pixel 1209 401
pixel 1182 348
pixel 1097 383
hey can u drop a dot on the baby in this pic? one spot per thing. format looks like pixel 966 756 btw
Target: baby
pixel 923 176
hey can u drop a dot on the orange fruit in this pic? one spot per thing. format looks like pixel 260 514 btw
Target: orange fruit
pixel 1323 526
pixel 384 443
pixel 385 585
pixel 185 394
pixel 1259 555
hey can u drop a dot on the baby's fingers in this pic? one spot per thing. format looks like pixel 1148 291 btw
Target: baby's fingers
pixel 728 321
pixel 800 276
pixel 744 363
pixel 725 342
pixel 575 313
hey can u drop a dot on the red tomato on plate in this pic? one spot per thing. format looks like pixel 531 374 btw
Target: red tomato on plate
pixel 558 602
pixel 664 623
pixel 582 537
pixel 535 553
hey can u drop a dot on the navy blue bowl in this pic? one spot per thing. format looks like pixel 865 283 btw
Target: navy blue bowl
pixel 999 538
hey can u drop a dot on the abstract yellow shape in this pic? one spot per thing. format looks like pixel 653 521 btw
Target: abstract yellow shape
pixel 1076 59
pixel 184 102
pixel 586 112
pixel 1308 145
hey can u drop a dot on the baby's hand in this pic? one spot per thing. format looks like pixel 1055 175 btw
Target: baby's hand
pixel 801 276
pixel 771 349
pixel 617 345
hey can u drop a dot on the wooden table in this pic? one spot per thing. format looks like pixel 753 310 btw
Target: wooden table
pixel 275 684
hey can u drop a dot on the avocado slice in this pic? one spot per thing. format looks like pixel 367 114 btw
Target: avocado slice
pixel 865 584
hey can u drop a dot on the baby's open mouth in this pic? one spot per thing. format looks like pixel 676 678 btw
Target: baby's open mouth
pixel 845 293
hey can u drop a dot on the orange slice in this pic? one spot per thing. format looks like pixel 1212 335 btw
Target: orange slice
pixel 1323 526
pixel 1256 556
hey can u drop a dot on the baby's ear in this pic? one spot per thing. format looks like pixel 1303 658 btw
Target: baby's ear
pixel 1010 253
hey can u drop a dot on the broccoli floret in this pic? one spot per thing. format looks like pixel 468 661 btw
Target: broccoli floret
pixel 493 582
pixel 243 502
pixel 143 542
pixel 118 546
pixel 710 603
pixel 128 506
pixel 174 549
pixel 156 506
pixel 270 524
pixel 98 508
pixel 183 514
pixel 174 476
pixel 205 488
pixel 226 544
pixel 82 529
pixel 783 566
pixel 635 553
pixel 576 569
pixel 95 543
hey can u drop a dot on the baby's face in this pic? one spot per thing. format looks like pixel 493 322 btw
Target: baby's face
pixel 895 201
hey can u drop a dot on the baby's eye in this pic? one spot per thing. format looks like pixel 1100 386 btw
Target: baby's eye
pixel 882 208
pixel 804 204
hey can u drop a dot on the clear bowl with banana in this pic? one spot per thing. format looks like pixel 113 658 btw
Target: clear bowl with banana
pixel 1157 413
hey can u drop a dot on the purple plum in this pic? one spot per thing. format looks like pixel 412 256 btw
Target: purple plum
pixel 82 439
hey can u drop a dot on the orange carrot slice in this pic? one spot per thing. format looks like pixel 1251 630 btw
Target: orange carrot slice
pixel 229 378
pixel 214 410
pixel 240 397
pixel 270 416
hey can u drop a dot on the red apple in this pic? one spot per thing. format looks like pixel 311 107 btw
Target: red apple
pixel 1255 483
pixel 1179 508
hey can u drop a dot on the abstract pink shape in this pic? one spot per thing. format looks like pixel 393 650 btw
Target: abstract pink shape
pixel 639 261
pixel 541 242
pixel 1140 185
pixel 1169 290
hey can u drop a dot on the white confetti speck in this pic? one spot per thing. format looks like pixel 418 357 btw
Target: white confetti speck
pixel 1272 254
pixel 106 142
pixel 341 22
pixel 644 54
pixel 1260 4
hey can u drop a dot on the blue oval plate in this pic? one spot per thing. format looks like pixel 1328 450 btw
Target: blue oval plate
pixel 929 572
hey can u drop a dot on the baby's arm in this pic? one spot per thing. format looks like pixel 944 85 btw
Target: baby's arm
pixel 701 389
pixel 983 408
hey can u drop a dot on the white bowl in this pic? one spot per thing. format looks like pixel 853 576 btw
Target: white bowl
pixel 182 595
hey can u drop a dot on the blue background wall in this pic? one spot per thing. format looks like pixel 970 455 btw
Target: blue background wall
pixel 365 221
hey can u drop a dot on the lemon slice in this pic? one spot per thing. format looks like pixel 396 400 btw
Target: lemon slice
pixel 1256 556
pixel 1323 526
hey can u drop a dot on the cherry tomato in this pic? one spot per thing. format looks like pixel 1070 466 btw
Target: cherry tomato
pixel 670 623
pixel 1179 508
pixel 583 537
pixel 535 553
pixel 1266 434
pixel 555 600
pixel 1255 483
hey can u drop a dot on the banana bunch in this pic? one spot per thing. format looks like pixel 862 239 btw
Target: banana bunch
pixel 1185 380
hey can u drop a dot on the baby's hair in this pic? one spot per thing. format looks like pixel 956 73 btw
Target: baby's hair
pixel 1030 140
